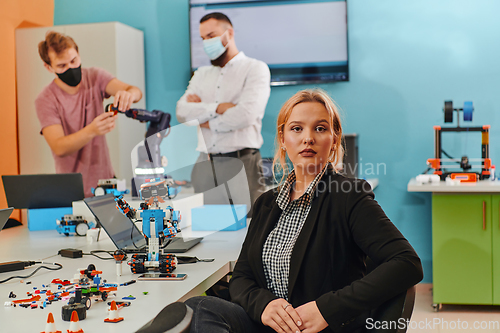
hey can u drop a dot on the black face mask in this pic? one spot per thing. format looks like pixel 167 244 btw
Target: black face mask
pixel 72 77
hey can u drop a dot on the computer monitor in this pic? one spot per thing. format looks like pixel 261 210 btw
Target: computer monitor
pixel 301 41
pixel 267 170
pixel 350 161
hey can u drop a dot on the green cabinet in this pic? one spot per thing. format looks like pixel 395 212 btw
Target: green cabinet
pixel 495 229
pixel 466 248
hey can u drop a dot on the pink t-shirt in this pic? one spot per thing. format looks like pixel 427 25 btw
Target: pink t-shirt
pixel 74 112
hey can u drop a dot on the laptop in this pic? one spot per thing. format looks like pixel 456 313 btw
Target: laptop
pixel 43 191
pixel 123 232
pixel 4 216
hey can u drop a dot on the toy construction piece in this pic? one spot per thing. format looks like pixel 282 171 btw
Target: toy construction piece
pixel 78 304
pixel 130 297
pixel 74 326
pixel 35 298
pixel 50 327
pixel 68 310
pixel 119 256
pixel 113 314
pixel 120 305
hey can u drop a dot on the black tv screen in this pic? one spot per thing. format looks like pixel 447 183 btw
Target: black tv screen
pixel 302 41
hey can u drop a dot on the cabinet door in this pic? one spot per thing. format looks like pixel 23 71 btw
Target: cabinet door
pixel 495 229
pixel 461 253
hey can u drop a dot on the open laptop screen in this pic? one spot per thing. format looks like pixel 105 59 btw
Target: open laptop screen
pixel 43 191
pixel 4 216
pixel 119 227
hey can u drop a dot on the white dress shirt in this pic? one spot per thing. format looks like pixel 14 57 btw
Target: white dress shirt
pixel 242 81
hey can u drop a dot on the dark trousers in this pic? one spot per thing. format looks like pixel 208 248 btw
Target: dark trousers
pixel 238 180
pixel 215 315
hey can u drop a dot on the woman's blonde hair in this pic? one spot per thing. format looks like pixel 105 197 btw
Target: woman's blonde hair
pixel 280 164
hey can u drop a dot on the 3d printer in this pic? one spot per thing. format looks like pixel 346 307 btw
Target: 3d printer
pixel 467 174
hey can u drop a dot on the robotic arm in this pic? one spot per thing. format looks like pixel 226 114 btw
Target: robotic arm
pixel 159 125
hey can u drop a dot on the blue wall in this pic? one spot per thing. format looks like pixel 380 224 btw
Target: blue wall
pixel 406 58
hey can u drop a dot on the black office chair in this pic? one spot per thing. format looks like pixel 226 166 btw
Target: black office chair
pixel 394 310
pixel 174 318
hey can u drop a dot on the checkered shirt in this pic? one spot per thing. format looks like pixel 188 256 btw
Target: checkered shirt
pixel 278 247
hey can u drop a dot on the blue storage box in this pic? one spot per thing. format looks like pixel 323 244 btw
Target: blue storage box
pixel 218 217
pixel 45 218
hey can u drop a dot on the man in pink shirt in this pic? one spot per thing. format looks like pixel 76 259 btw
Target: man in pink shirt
pixel 71 113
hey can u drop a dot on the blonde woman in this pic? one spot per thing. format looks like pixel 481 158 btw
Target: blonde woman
pixel 302 265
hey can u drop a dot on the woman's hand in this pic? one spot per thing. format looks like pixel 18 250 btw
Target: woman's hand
pixel 281 317
pixel 312 320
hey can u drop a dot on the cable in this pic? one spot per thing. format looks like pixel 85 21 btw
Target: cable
pixel 170 197
pixel 425 172
pixel 448 155
pixel 173 186
pixel 132 236
pixel 93 253
pixel 36 270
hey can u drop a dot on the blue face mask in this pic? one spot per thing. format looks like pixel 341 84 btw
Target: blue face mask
pixel 213 47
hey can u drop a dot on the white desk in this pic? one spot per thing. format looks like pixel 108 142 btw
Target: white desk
pixel 20 244
pixel 482 186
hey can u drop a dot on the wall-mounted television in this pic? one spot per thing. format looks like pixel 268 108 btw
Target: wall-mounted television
pixel 302 41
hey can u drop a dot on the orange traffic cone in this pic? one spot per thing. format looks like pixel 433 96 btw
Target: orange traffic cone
pixel 74 326
pixel 50 327
pixel 113 314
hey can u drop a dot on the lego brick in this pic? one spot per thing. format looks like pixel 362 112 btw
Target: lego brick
pixel 45 218
pixel 218 217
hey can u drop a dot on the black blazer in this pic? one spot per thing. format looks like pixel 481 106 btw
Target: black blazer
pixel 345 224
